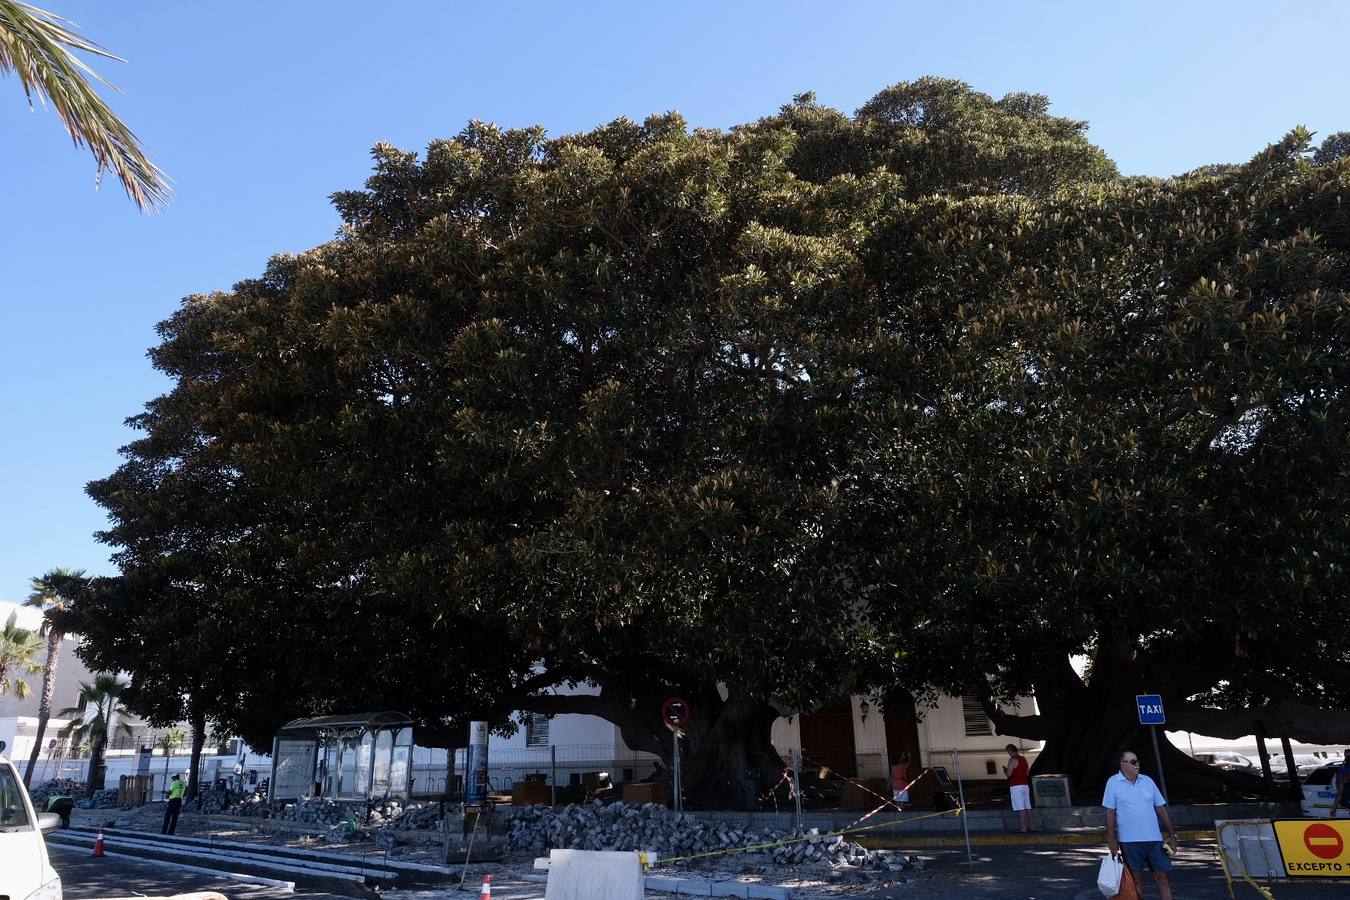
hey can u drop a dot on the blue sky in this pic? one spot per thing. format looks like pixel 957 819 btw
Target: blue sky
pixel 260 110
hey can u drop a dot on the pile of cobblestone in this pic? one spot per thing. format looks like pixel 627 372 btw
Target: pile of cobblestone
pixel 106 799
pixel 255 805
pixel 426 817
pixel 217 800
pixel 56 787
pixel 322 811
pixel 76 790
pixel 621 826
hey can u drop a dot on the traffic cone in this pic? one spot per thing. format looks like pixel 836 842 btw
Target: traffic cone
pixel 486 893
pixel 98 845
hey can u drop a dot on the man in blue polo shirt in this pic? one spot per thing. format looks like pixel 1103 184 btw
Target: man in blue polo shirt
pixel 1135 809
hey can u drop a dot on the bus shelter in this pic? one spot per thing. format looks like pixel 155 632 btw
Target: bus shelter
pixel 362 757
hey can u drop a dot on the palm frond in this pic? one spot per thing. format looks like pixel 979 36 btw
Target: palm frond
pixel 19 648
pixel 40 47
pixel 75 728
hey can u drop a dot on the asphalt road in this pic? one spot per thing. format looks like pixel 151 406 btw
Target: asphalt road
pixel 1070 873
pixel 86 878
pixel 998 873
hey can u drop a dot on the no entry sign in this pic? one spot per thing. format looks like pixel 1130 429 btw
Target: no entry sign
pixel 675 711
pixel 1316 849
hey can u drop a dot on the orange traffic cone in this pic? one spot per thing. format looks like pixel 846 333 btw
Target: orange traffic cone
pixel 98 844
pixel 486 893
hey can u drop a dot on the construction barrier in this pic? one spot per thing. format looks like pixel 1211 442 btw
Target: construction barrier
pixel 1266 850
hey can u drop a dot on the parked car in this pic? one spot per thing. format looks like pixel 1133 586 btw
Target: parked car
pixel 1304 763
pixel 1228 761
pixel 1319 791
pixel 25 871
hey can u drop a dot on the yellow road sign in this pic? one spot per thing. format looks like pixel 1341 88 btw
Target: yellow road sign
pixel 1319 848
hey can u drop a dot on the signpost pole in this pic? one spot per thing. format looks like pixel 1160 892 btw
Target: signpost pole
pixel 1157 754
pixel 1150 708
pixel 965 814
pixel 676 713
pixel 795 757
pixel 677 783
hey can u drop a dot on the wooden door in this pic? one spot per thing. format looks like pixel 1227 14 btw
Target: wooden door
pixel 827 740
pixel 902 729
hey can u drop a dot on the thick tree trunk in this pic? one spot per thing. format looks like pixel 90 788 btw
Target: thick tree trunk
pixel 198 722
pixel 1087 747
pixel 728 759
pixel 45 704
pixel 1290 770
pixel 733 761
pixel 1086 724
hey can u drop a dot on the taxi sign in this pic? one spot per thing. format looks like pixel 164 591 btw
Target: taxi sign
pixel 1320 849
pixel 1150 708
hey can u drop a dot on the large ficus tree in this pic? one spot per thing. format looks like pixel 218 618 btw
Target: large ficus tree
pixel 631 408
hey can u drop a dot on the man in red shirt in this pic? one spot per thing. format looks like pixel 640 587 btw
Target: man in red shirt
pixel 1017 770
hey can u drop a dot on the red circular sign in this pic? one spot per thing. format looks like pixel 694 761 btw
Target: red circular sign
pixel 1323 841
pixel 675 711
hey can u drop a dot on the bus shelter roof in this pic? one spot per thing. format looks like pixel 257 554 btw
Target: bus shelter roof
pixel 370 721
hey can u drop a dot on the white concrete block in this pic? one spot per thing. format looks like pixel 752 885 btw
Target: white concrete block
pixel 588 874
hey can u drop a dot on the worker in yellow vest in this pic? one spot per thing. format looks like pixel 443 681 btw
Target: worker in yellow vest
pixel 176 791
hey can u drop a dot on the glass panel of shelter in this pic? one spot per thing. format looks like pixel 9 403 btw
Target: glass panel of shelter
pixel 400 764
pixel 356 764
pixel 384 757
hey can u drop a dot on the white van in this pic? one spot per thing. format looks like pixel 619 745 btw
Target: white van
pixel 25 871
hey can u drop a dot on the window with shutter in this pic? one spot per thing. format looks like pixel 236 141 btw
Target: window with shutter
pixel 977 723
pixel 536 730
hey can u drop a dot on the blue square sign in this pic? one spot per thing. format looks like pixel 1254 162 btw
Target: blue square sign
pixel 1150 709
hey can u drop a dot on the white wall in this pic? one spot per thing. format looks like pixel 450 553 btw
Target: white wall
pixel 869 738
pixel 70 671
pixel 943 728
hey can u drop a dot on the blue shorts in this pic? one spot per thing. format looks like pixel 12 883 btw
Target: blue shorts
pixel 1137 853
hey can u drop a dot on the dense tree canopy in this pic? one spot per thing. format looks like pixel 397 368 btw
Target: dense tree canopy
pixel 1134 448
pixel 922 396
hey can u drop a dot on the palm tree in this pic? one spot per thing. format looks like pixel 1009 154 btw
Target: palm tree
pixel 39 47
pixel 169 742
pixel 51 594
pixel 19 648
pixel 103 695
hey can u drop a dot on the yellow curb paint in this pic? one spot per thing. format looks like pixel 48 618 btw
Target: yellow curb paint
pixel 1036 839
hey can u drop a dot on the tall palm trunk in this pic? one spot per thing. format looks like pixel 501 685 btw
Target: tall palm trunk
pixel 54 639
pixel 96 774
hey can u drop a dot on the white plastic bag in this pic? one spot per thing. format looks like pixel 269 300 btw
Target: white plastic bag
pixel 1109 875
